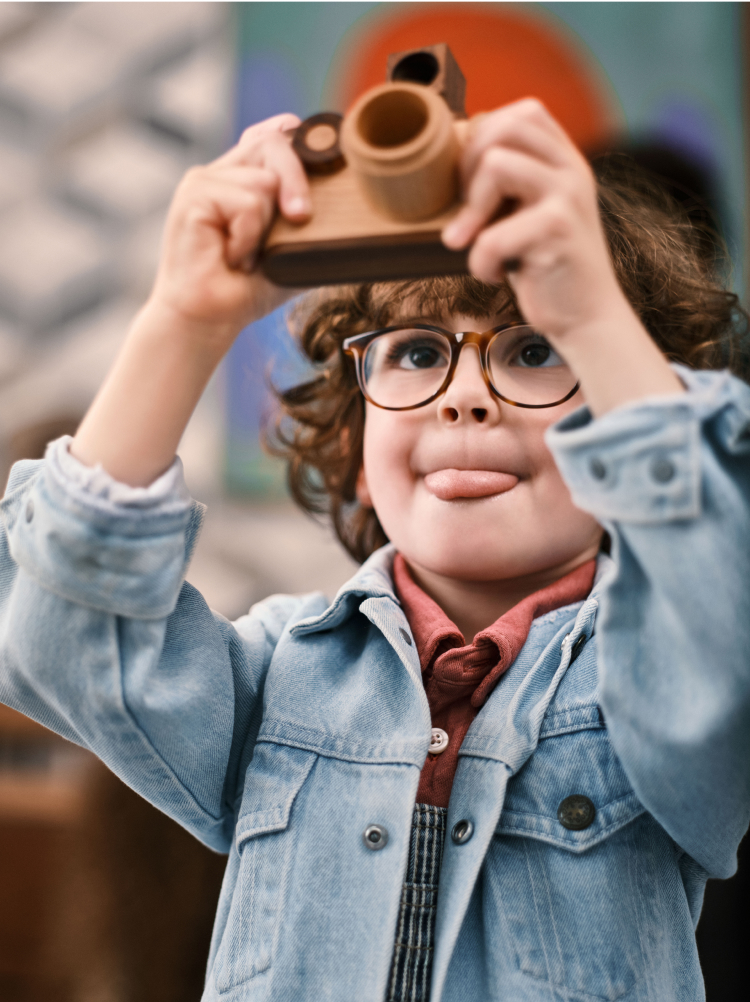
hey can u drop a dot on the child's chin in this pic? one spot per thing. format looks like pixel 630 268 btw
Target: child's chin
pixel 470 563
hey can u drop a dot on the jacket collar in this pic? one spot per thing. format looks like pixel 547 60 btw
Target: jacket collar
pixel 374 579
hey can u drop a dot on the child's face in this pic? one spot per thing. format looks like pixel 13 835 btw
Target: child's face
pixel 532 527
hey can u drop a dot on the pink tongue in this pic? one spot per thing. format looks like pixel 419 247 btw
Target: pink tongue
pixel 450 484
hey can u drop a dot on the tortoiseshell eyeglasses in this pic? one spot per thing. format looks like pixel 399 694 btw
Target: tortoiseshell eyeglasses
pixel 401 368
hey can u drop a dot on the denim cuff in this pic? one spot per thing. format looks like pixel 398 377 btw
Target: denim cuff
pixel 95 480
pixel 641 463
pixel 83 536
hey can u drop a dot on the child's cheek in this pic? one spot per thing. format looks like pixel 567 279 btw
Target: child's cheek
pixel 390 481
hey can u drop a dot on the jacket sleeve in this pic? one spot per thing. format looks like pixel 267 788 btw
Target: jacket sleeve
pixel 102 641
pixel 669 478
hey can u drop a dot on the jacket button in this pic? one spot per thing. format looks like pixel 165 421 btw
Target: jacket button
pixel 576 812
pixel 375 837
pixel 462 831
pixel 439 741
pixel 597 469
pixel 405 636
pixel 29 510
pixel 577 647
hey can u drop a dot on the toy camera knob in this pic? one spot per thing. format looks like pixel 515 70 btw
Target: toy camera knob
pixel 400 141
pixel 316 143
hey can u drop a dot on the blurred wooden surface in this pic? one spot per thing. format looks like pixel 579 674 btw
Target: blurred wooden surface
pixel 102 897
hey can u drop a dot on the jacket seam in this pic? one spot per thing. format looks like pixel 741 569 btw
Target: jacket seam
pixel 339 756
pixel 577 991
pixel 143 737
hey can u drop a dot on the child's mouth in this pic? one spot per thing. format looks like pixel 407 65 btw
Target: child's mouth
pixel 451 484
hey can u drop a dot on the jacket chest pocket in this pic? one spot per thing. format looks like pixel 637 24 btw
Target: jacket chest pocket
pixel 572 868
pixel 263 850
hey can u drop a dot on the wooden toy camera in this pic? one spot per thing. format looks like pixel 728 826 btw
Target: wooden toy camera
pixel 383 179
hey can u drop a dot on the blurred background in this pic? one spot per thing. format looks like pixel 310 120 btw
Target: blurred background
pixel 102 108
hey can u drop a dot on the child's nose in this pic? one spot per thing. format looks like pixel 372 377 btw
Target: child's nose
pixel 468 397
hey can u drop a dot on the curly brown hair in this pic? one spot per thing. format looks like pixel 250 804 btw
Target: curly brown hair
pixel 661 262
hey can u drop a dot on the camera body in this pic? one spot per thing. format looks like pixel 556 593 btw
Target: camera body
pixel 383 181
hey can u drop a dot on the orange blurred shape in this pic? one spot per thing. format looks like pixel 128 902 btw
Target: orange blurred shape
pixel 504 55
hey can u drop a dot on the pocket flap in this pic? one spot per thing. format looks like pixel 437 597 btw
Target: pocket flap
pixel 576 758
pixel 547 828
pixel 272 781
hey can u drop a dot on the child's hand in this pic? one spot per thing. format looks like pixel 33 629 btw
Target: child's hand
pixel 207 289
pixel 220 212
pixel 564 275
pixel 553 250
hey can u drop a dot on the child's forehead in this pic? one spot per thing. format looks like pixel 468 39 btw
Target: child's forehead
pixel 440 301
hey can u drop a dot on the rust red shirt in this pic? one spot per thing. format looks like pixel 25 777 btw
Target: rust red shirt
pixel 459 677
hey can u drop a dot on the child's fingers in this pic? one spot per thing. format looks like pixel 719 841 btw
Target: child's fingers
pixel 266 146
pixel 248 214
pixel 252 179
pixel 245 233
pixel 501 175
pixel 239 213
pixel 257 181
pixel 514 239
pixel 253 136
pixel 274 152
pixel 532 111
pixel 294 188
pixel 537 233
pixel 526 126
pixel 513 131
pixel 245 176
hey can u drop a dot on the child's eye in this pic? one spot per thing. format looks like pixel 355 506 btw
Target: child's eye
pixel 415 352
pixel 535 354
pixel 405 367
pixel 420 357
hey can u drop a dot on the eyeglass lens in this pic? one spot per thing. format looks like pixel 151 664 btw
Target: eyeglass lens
pixel 405 367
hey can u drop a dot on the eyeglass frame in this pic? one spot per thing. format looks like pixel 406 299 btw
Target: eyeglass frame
pixel 456 340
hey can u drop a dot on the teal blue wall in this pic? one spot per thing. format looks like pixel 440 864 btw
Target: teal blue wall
pixel 676 69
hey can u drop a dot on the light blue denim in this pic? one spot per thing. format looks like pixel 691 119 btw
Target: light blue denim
pixel 279 738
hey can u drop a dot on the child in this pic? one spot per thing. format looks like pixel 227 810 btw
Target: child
pixel 572 725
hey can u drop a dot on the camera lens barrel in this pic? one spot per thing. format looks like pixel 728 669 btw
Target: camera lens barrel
pixel 401 143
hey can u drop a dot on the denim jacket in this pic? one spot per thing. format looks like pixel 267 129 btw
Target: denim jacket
pixel 281 737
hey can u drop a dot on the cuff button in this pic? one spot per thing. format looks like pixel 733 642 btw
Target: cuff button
pixel 29 510
pixel 597 469
pixel 662 470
